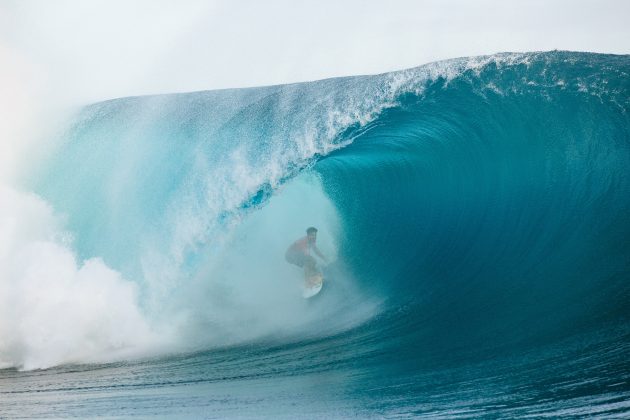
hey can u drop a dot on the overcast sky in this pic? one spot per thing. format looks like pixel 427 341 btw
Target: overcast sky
pixel 97 49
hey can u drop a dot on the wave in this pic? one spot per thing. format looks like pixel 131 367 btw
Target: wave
pixel 471 206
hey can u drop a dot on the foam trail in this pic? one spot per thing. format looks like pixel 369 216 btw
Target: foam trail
pixel 54 309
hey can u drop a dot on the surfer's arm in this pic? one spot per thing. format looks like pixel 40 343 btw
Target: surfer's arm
pixel 319 254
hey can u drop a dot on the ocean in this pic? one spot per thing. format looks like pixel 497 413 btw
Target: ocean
pixel 475 212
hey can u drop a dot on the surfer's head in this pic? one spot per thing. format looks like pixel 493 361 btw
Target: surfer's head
pixel 311 233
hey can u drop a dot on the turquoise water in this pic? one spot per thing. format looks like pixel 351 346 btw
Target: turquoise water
pixel 476 211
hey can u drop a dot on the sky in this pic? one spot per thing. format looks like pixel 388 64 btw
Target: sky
pixel 90 50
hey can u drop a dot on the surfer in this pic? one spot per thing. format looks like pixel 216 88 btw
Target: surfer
pixel 299 253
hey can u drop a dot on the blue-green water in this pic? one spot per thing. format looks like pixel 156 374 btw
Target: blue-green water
pixel 476 211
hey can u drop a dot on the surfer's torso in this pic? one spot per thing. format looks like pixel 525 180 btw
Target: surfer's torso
pixel 302 245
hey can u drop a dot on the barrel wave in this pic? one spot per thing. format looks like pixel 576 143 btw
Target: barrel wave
pixel 476 212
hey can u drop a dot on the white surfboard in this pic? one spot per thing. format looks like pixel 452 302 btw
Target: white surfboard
pixel 312 286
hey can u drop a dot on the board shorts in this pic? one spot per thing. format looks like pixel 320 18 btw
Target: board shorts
pixel 301 260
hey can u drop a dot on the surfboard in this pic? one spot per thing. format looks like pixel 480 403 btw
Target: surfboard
pixel 312 286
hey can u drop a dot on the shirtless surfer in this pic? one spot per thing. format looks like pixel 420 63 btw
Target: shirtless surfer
pixel 299 253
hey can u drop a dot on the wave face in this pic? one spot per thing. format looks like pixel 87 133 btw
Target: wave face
pixel 476 209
